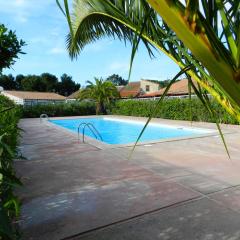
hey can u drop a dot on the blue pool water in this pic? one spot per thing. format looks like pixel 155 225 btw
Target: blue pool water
pixel 114 131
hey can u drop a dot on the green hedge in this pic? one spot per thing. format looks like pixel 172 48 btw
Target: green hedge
pixel 176 109
pixel 60 110
pixel 9 133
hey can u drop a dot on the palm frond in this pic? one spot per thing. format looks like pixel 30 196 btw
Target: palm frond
pixel 203 42
pixel 102 92
pixel 184 34
pixel 158 105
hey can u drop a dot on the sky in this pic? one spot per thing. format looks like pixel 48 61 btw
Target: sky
pixel 43 27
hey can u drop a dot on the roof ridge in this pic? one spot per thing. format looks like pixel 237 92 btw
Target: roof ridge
pixel 28 91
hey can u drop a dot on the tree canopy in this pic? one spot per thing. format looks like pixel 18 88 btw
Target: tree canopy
pixel 102 92
pixel 117 80
pixel 10 47
pixel 67 86
pixel 45 82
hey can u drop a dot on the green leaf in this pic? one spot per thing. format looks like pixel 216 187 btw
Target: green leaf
pixel 13 179
pixel 205 101
pixel 136 40
pixel 228 33
pixel 5 224
pixel 60 7
pixel 1 151
pixel 8 149
pixel 156 108
pixel 5 110
pixel 92 20
pixel 13 203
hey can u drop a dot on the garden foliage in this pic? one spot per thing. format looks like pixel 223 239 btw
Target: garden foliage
pixel 59 110
pixel 10 47
pixel 176 109
pixel 9 133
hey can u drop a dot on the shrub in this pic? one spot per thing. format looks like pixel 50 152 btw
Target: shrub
pixel 60 110
pixel 176 109
pixel 9 132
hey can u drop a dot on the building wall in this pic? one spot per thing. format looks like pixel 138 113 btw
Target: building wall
pixel 17 100
pixel 148 86
pixel 71 100
pixel 33 102
pixel 30 102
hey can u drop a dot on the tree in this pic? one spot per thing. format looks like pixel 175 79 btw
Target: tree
pixel 10 47
pixel 50 81
pixel 67 86
pixel 7 82
pixel 33 83
pixel 117 80
pixel 187 34
pixel 18 79
pixel 45 82
pixel 102 92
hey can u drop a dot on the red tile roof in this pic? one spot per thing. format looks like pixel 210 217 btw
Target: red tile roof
pixel 178 88
pixel 131 90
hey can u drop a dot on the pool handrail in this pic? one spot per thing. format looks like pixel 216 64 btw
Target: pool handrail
pixel 96 131
pixel 83 123
pixel 43 115
pixel 91 127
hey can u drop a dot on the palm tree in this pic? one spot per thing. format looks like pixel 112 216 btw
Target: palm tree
pixel 207 36
pixel 102 92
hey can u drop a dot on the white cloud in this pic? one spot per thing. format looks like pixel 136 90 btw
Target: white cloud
pixel 119 66
pixel 56 32
pixel 57 50
pixel 98 46
pixel 21 10
pixel 19 2
pixel 37 40
pixel 21 18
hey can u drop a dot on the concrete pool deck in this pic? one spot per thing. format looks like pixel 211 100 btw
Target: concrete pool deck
pixel 186 189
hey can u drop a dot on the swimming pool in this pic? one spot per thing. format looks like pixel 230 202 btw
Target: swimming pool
pixel 118 131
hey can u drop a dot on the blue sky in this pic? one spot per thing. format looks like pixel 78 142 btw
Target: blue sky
pixel 42 26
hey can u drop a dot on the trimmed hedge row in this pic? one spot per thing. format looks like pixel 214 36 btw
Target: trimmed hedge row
pixel 9 133
pixel 60 110
pixel 176 109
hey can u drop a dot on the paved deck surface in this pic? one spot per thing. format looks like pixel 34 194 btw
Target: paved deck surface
pixel 185 189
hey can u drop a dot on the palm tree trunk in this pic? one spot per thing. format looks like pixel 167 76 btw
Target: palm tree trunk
pixel 98 108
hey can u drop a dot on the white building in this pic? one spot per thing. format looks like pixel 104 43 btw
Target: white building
pixel 27 98
pixel 136 89
pixel 149 86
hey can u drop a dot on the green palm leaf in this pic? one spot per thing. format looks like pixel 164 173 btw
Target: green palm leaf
pixel 158 105
pixel 215 67
pixel 102 92
pixel 203 42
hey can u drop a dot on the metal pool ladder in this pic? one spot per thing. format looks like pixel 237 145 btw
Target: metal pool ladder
pixel 43 116
pixel 91 128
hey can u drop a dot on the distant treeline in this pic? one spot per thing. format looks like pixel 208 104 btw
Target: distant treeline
pixel 45 82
